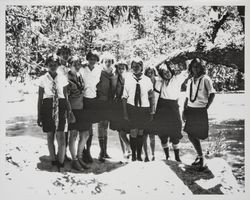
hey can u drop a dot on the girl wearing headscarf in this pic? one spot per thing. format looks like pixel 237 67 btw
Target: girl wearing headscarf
pixel 200 95
pixel 138 105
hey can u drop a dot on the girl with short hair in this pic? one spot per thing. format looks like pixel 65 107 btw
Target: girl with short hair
pixel 138 105
pixel 118 80
pixel 75 90
pixel 167 121
pixel 104 93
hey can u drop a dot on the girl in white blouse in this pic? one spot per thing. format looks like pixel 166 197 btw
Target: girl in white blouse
pixel 200 95
pixel 53 105
pixel 167 122
pixel 138 105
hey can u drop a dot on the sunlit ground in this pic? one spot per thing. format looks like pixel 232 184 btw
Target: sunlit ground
pixel 226 139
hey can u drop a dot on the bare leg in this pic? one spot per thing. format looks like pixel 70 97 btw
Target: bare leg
pixel 145 146
pixel 197 145
pixel 84 135
pixel 124 138
pixel 152 145
pixel 72 142
pixel 60 136
pixel 51 145
pixel 122 144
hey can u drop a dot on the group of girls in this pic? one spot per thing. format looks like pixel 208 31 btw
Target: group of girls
pixel 134 102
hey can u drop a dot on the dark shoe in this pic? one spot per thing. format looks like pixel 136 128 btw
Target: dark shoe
pixel 107 156
pixel 77 166
pixel 139 158
pixel 176 154
pixel 146 159
pixel 101 158
pixel 67 159
pixel 166 151
pixel 60 166
pixel 86 156
pixel 83 164
pixel 133 157
pixel 197 161
pixel 153 158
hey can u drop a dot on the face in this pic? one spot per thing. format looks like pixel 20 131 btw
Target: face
pixel 166 74
pixel 150 73
pixel 53 65
pixel 108 63
pixel 92 60
pixel 136 67
pixel 65 54
pixel 121 69
pixel 195 69
pixel 76 65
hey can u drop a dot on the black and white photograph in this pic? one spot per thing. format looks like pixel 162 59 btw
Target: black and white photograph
pixel 124 100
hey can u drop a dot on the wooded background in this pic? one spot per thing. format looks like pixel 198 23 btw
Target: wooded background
pixel 177 33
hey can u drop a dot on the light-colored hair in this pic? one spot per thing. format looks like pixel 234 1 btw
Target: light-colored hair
pixel 107 56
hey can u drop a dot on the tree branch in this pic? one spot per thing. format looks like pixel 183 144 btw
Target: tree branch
pixel 218 25
pixel 228 56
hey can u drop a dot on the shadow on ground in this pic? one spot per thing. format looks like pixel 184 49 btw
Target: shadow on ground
pixel 96 167
pixel 189 175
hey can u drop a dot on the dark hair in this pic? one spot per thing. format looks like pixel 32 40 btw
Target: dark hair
pixel 52 58
pixel 63 48
pixel 148 69
pixel 198 62
pixel 90 54
pixel 126 66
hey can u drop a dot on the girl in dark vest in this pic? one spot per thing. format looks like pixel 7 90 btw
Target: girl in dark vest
pixel 104 93
pixel 200 95
pixel 138 105
pixel 118 79
pixel 75 90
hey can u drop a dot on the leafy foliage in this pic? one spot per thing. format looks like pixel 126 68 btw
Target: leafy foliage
pixel 151 32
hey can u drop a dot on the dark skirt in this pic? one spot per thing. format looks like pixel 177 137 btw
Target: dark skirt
pixel 117 121
pixel 79 124
pixel 48 123
pixel 139 117
pixel 95 110
pixel 167 120
pixel 196 122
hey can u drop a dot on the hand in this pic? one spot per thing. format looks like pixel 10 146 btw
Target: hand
pixel 126 117
pixel 71 117
pixel 39 122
